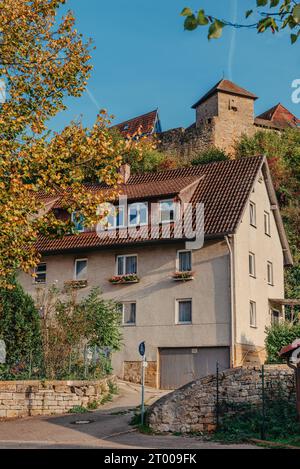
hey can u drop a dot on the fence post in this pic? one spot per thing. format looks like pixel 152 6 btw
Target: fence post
pixel 218 403
pixel 30 364
pixel 70 362
pixel 263 426
pixel 85 362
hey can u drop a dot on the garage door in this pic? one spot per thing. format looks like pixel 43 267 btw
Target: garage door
pixel 179 366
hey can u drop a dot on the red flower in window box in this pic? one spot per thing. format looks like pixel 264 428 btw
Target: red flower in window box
pixel 121 279
pixel 183 276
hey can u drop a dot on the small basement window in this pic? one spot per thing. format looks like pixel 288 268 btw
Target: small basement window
pixel 41 273
pixel 80 269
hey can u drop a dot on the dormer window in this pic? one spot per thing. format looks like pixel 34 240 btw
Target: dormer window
pixel 167 211
pixel 138 214
pixel 78 221
pixel 113 217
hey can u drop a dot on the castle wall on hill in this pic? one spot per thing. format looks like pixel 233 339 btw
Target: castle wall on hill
pixel 187 144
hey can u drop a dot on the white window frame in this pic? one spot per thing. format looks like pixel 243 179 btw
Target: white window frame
pixel 272 315
pixel 75 264
pixel 137 204
pixel 35 271
pixel 253 222
pixel 73 214
pixel 176 205
pixel 114 225
pixel 124 263
pixel 181 300
pixel 270 281
pixel 253 304
pixel 128 324
pixel 267 223
pixel 178 255
pixel 252 256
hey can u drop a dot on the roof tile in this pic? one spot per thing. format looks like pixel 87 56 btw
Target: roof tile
pixel 224 188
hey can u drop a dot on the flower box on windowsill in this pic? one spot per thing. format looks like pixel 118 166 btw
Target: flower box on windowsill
pixel 124 279
pixel 76 284
pixel 183 276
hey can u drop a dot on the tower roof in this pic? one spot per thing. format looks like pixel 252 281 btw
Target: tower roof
pixel 225 86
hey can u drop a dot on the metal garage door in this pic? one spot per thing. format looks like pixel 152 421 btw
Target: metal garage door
pixel 179 366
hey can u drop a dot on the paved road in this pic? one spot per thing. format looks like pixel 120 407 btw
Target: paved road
pixel 109 428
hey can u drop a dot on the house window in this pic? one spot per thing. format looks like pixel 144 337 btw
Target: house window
pixel 126 265
pixel 253 322
pixel 80 269
pixel 78 221
pixel 129 314
pixel 40 273
pixel 115 217
pixel 275 317
pixel 184 311
pixel 270 273
pixel 252 267
pixel 184 261
pixel 167 211
pixel 252 214
pixel 138 214
pixel 267 223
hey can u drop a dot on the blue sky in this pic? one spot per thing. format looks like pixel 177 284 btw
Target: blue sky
pixel 144 59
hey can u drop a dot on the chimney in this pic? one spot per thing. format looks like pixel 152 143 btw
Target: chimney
pixel 124 170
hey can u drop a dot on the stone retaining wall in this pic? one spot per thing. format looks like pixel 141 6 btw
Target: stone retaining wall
pixel 192 408
pixel 26 398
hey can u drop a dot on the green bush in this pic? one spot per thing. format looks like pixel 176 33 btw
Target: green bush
pixel 211 155
pixel 247 421
pixel 279 336
pixel 20 330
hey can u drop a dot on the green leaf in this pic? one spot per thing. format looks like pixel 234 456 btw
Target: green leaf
pixel 296 13
pixel 201 18
pixel 248 13
pixel 294 38
pixel 186 12
pixel 190 23
pixel 274 3
pixel 215 30
pixel 261 3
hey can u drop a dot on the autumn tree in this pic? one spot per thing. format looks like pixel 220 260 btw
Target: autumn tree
pixel 273 15
pixel 43 59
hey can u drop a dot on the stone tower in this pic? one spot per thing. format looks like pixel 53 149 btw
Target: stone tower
pixel 222 116
pixel 229 109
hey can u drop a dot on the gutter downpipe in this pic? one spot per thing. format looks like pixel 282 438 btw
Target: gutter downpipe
pixel 232 298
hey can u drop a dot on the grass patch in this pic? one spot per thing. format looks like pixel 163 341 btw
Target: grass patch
pixel 77 409
pixel 136 422
pixel 244 422
pixel 113 388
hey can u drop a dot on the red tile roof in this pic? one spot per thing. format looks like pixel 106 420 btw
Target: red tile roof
pixel 279 117
pixel 225 86
pixel 144 124
pixel 223 188
pixel 142 191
